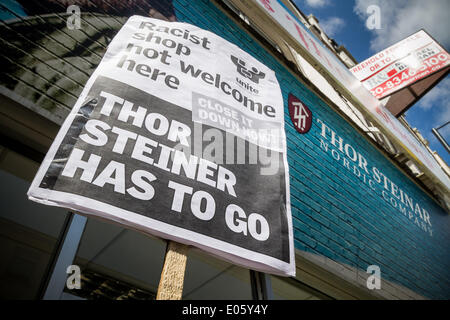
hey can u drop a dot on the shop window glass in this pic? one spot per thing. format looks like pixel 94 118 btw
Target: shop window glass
pixel 290 289
pixel 122 264
pixel 28 231
pixel 210 278
pixel 117 263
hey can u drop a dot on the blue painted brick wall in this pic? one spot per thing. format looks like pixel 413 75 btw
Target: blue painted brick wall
pixel 334 213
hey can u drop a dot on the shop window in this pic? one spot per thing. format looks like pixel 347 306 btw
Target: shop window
pixel 117 263
pixel 210 278
pixel 290 289
pixel 28 231
pixel 122 264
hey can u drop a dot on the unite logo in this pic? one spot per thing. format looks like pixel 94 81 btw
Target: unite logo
pixel 250 73
pixel 301 116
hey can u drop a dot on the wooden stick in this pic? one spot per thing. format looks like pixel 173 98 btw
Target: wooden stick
pixel 172 275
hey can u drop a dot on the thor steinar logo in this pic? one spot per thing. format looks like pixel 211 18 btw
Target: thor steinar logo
pixel 349 157
pixel 301 116
pixel 253 74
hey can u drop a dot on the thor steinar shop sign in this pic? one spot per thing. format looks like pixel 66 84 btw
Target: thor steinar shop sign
pixel 350 158
pixel 180 134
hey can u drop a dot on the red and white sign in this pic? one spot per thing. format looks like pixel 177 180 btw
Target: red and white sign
pixel 402 64
pixel 301 116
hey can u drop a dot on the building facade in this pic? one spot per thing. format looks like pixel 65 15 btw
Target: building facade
pixel 355 205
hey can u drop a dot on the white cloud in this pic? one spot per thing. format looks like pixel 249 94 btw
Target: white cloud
pixel 437 104
pixel 439 95
pixel 401 18
pixel 436 112
pixel 317 3
pixel 332 25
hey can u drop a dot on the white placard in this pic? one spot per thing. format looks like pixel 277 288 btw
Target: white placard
pixel 180 134
pixel 334 68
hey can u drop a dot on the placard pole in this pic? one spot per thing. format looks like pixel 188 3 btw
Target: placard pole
pixel 172 275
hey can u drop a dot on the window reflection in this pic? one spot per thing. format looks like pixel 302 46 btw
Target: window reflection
pixel 290 289
pixel 210 278
pixel 118 263
pixel 28 231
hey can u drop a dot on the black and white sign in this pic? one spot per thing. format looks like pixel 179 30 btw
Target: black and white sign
pixel 180 134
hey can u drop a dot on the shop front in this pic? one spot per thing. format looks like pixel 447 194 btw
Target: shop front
pixel 352 206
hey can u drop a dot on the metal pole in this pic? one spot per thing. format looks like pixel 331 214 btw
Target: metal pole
pixel 440 138
pixel 65 258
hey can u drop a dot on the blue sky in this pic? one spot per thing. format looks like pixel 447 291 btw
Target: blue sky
pixel 345 21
